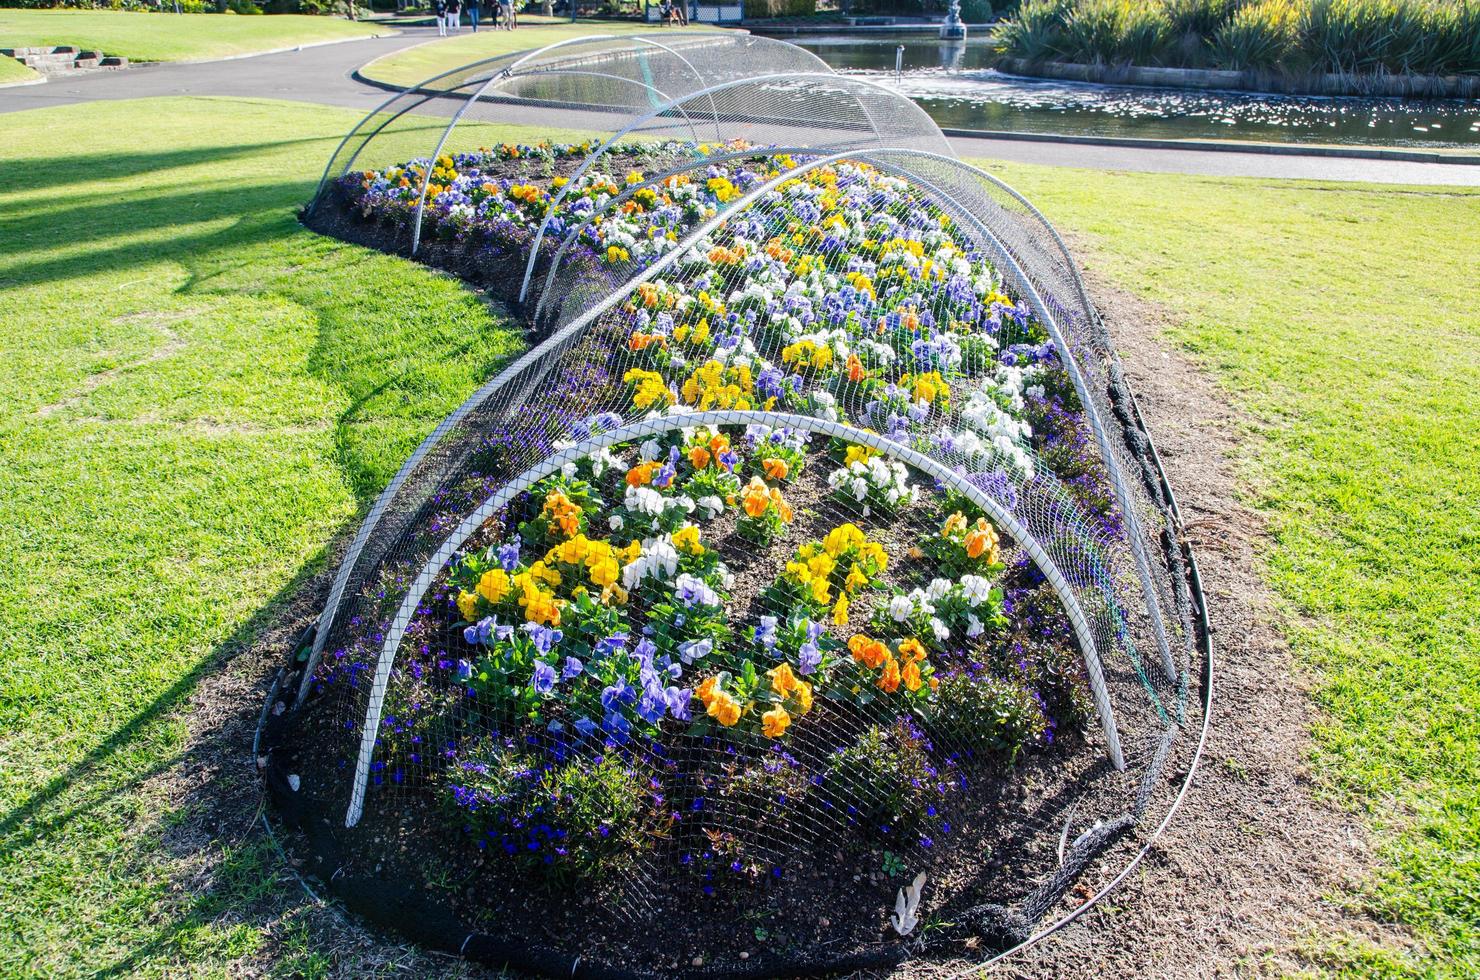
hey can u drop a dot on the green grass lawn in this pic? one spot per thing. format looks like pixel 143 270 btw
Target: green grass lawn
pixel 412 65
pixel 170 37
pixel 198 396
pixel 1346 320
pixel 12 71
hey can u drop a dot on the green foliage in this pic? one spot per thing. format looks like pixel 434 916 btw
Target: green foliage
pixel 1261 35
pixel 1350 36
pixel 1115 31
pixel 1036 30
pixel 976 11
pixel 886 775
pixel 580 819
pixel 987 715
pixel 1200 18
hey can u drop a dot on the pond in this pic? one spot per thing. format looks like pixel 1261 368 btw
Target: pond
pixel 956 85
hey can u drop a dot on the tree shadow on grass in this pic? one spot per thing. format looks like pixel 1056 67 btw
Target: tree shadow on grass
pixel 46 173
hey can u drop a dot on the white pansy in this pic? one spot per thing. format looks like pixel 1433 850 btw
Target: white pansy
pixel 976 589
pixel 938 588
pixel 941 630
pixel 900 608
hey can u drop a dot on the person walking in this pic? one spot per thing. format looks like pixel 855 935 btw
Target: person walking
pixel 454 15
pixel 473 12
pixel 511 19
pixel 439 11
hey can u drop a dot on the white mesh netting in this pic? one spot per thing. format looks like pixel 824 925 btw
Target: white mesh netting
pixel 813 545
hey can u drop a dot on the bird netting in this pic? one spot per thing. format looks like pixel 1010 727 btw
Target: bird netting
pixel 808 596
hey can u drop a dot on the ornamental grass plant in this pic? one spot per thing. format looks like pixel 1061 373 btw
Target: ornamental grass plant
pixel 1355 37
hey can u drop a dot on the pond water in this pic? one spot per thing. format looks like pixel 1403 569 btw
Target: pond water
pixel 953 82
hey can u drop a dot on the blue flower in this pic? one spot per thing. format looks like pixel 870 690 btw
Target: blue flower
pixel 464 670
pixel 508 554
pixel 652 705
pixel 617 726
pixel 765 633
pixel 544 677
pixel 611 645
pixel 615 694
pixel 809 658
pixel 678 699
pixel 586 727
pixel 693 650
pixel 545 638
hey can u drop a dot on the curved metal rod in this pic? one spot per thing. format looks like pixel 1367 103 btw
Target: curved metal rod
pixel 931 467
pixel 412 93
pixel 591 158
pixel 537 355
pixel 628 192
pixel 1097 425
pixel 713 108
pixel 426 177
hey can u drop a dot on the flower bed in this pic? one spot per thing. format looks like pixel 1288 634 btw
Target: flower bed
pixel 714 662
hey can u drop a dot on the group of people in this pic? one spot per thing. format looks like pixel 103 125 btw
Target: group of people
pixel 501 14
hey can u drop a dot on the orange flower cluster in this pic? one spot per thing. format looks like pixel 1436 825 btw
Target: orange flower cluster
pixel 906 668
pixel 756 498
pixel 562 513
pixel 702 455
pixel 718 703
pixel 642 473
pixel 980 541
pixel 642 341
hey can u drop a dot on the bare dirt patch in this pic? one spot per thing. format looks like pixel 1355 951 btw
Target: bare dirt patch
pixel 1253 863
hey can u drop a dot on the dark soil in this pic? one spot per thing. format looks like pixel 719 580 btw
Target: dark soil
pixel 833 902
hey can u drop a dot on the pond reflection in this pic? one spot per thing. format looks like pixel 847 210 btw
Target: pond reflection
pixel 954 82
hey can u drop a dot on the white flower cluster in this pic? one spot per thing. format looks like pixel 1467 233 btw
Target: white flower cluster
pixel 659 560
pixel 873 482
pixel 921 602
pixel 648 503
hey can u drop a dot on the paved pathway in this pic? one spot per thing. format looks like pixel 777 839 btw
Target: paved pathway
pixel 323 75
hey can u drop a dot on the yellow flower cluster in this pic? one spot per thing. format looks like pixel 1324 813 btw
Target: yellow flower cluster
pixel 722 189
pixel 539 604
pixel 926 387
pixel 686 540
pixel 713 385
pixel 812 571
pixel 696 334
pixel 806 353
pixel 651 388
pixel 602 562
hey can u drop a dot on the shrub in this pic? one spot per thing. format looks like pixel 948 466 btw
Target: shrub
pixel 1037 30
pixel 580 819
pixel 1116 31
pixel 976 11
pixel 886 776
pixel 1351 36
pixel 1262 35
pixel 1200 18
pixel 987 714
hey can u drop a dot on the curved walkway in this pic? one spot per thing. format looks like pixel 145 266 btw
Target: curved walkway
pixel 324 75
